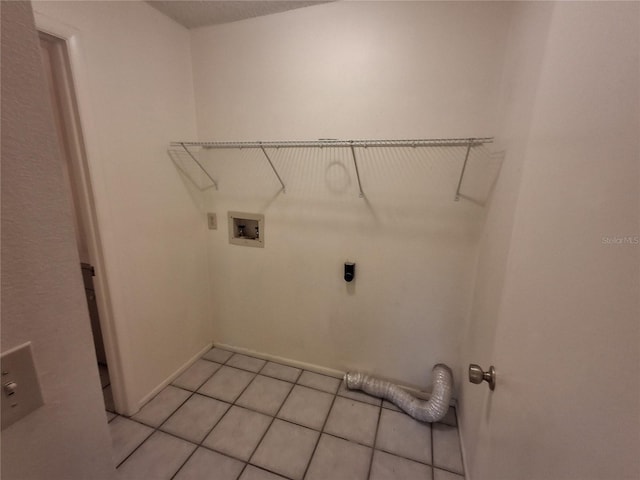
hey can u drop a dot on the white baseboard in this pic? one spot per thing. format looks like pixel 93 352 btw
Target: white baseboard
pixel 284 361
pixel 173 376
pixel 312 367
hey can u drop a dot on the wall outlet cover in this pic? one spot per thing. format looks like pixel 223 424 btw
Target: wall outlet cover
pixel 21 392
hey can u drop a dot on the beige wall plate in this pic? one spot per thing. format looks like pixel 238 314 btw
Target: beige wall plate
pixel 21 393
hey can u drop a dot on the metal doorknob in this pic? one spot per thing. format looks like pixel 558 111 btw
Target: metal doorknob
pixel 477 375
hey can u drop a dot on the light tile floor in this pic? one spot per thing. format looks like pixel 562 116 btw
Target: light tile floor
pixel 235 417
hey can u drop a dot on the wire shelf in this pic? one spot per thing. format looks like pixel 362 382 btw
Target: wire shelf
pixel 335 143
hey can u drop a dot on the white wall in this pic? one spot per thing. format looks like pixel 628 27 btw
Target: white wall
pixel 135 95
pixel 355 69
pixel 566 334
pixel 348 70
pixel 42 293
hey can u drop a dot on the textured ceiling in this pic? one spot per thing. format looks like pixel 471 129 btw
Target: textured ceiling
pixel 198 13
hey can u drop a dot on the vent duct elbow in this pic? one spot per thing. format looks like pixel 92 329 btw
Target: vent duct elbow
pixel 432 410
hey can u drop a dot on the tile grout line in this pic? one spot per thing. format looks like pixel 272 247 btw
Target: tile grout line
pixel 325 433
pixel 282 365
pixel 298 378
pixel 322 431
pixel 205 381
pixel 314 388
pixel 221 416
pixel 138 446
pixel 192 393
pixel 464 473
pixel 201 441
pixel 324 424
pixel 293 384
pixel 232 404
pixel 157 428
pixel 297 424
pixel 433 467
pixel 258 411
pixel 375 441
pixel 462 477
pixel 268 427
pixel 433 460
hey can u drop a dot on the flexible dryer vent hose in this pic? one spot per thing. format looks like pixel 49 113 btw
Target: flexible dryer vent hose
pixel 432 410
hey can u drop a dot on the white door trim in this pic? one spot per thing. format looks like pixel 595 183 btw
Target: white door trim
pixel 85 146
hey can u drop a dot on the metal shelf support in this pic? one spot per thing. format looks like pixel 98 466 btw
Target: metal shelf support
pixel 355 163
pixel 284 189
pixel 464 167
pixel 184 145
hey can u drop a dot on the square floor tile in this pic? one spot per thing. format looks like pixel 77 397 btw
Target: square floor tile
pixel 282 372
pixel 205 464
pixel 226 384
pixel 359 395
pixel 194 376
pixel 444 475
pixel 446 448
pixel 126 435
pixel 390 467
pixel 217 355
pixel 319 382
pixel 306 406
pixel 286 449
pixel 195 419
pixel 400 434
pixel 255 473
pixel 336 458
pixel 265 394
pixel 238 433
pixel 246 363
pixel 159 458
pixel 158 409
pixel 353 420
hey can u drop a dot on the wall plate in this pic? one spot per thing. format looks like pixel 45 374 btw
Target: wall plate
pixel 212 221
pixel 21 393
pixel 246 229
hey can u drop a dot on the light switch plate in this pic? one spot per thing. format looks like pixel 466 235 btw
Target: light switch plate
pixel 212 221
pixel 21 392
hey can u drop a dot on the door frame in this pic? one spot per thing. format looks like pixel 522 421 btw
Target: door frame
pixel 83 146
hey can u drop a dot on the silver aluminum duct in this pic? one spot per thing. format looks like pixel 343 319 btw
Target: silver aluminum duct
pixel 432 410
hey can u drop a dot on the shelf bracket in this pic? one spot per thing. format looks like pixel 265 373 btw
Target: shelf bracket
pixel 215 184
pixel 464 167
pixel 284 189
pixel 355 163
